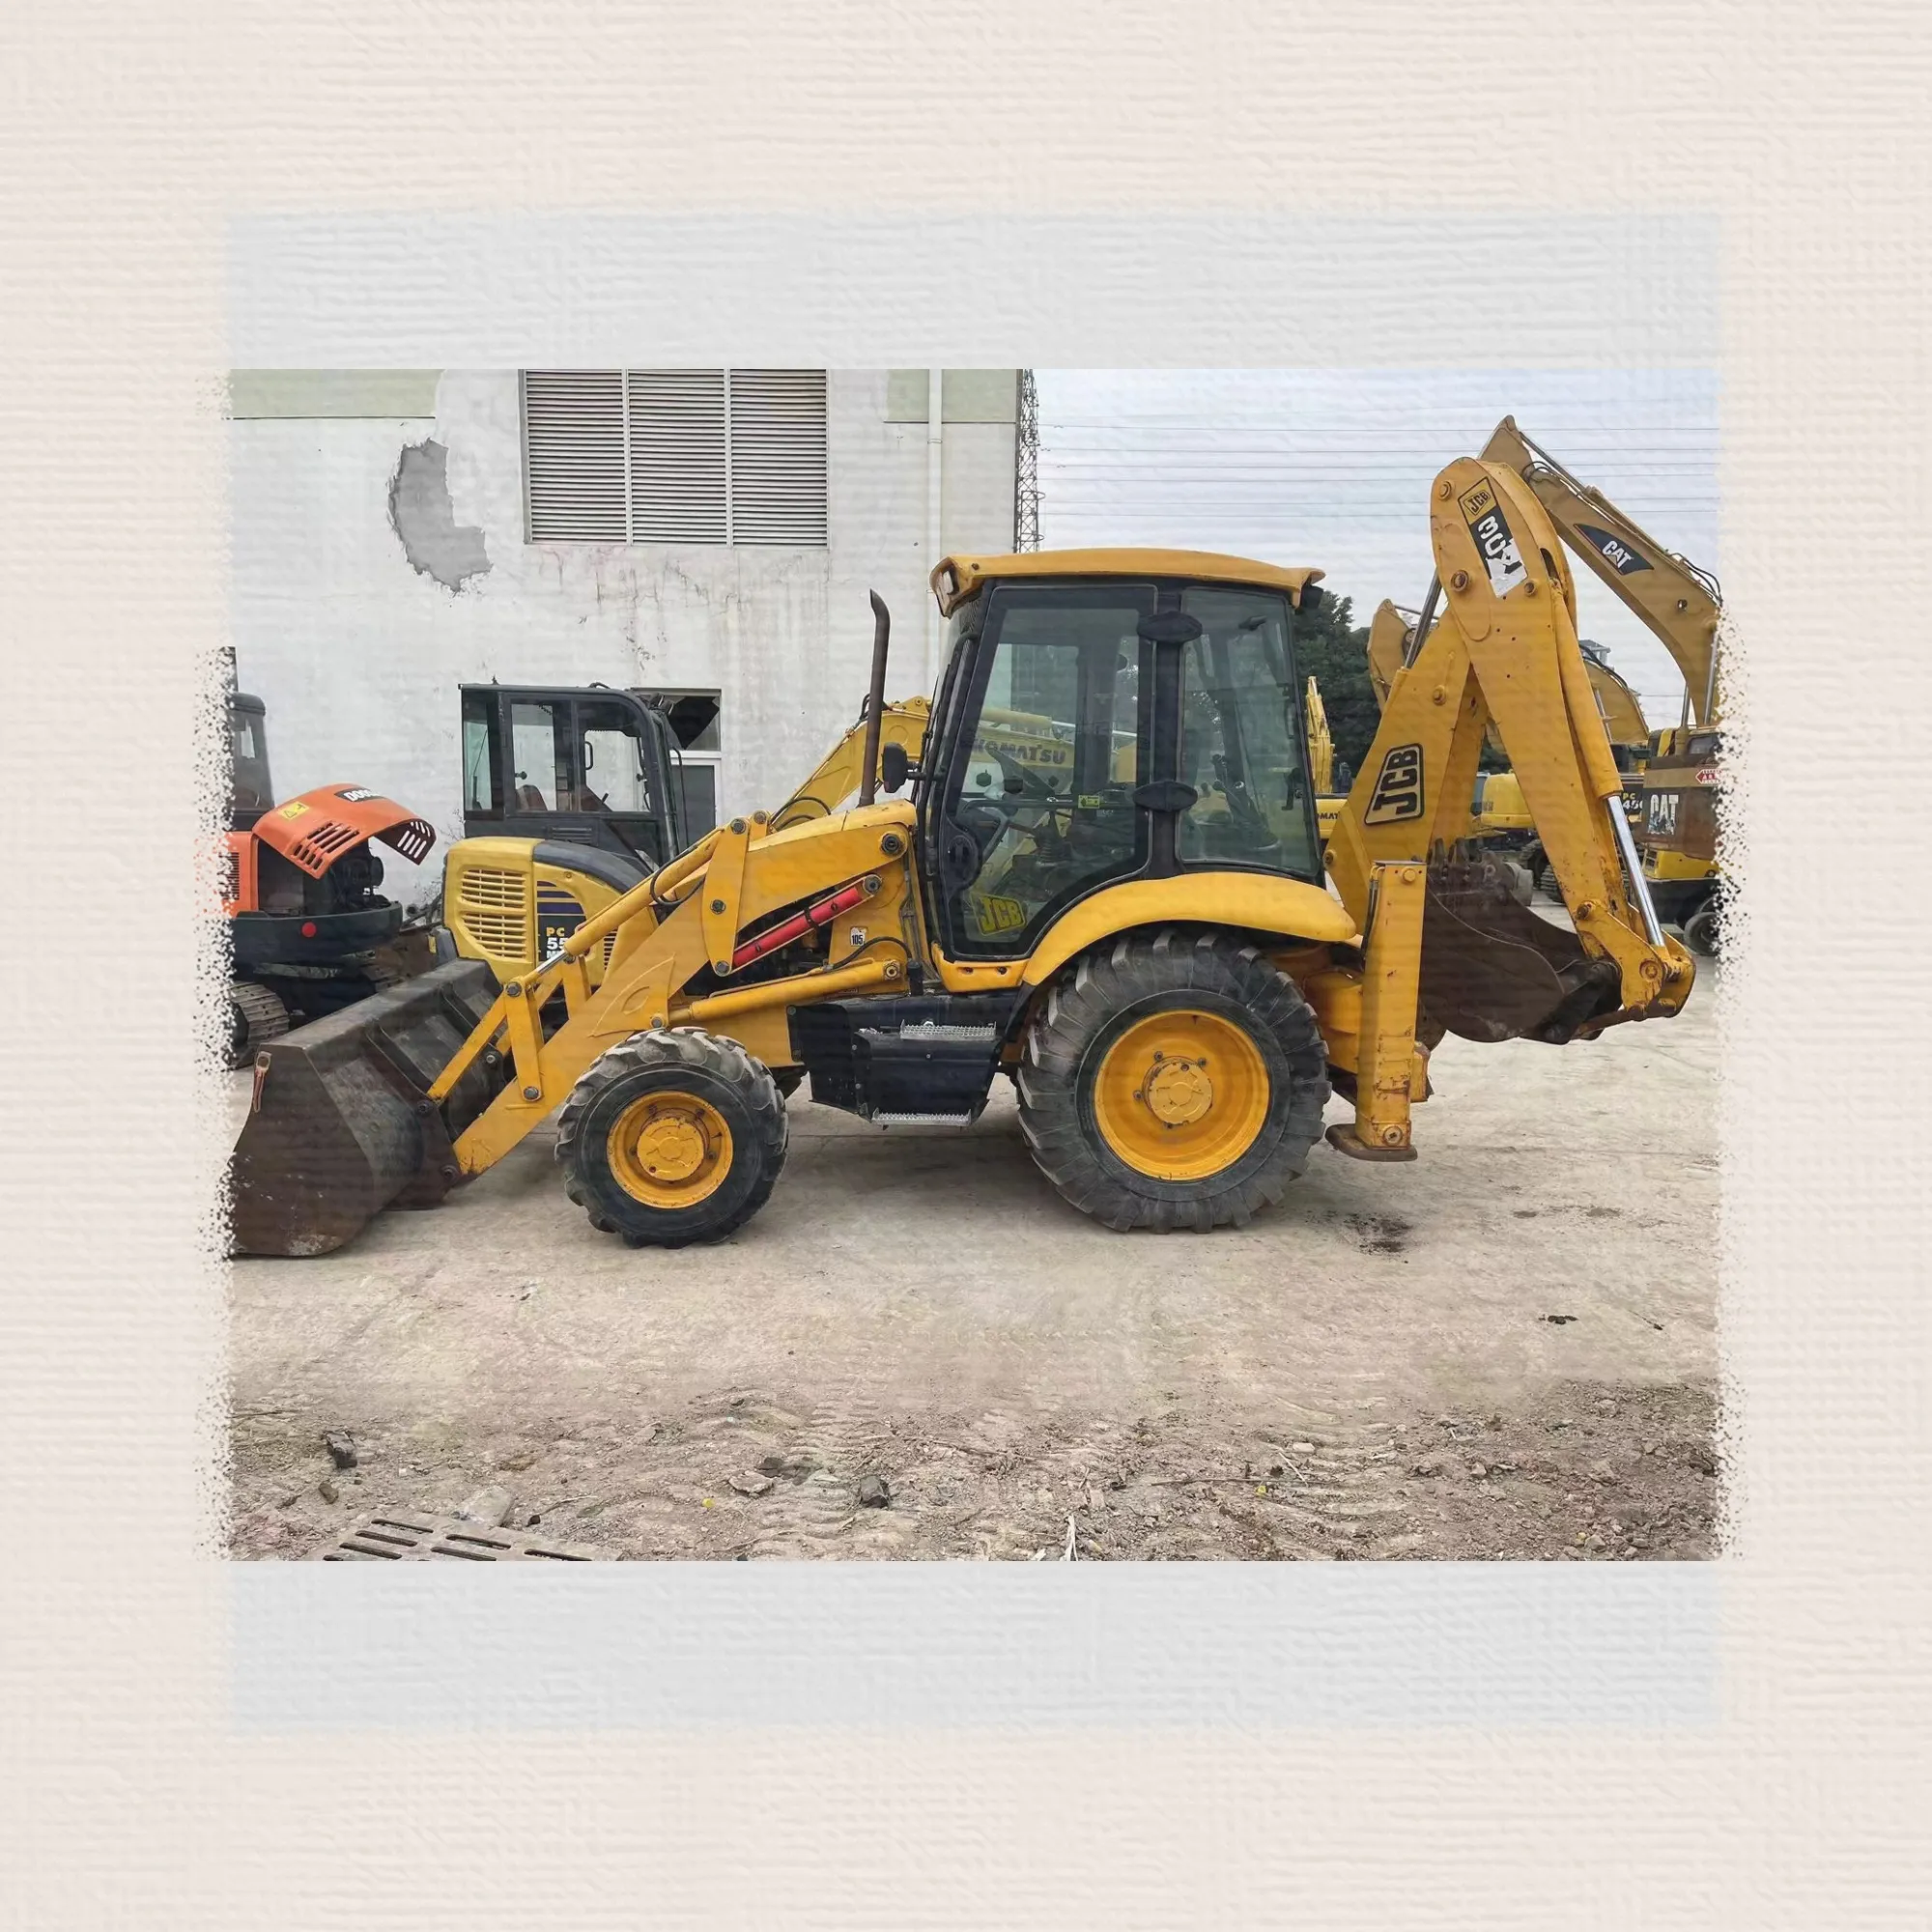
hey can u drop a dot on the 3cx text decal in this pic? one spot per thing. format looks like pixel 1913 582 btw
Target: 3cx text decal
pixel 1397 793
pixel 1613 550
pixel 1494 543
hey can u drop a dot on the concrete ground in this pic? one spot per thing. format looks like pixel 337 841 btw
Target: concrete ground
pixel 1506 1348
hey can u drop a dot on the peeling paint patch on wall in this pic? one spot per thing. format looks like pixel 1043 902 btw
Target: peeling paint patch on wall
pixel 424 519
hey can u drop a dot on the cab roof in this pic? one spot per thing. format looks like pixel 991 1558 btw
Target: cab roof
pixel 958 578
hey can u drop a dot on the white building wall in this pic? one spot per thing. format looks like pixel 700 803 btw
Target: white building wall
pixel 357 653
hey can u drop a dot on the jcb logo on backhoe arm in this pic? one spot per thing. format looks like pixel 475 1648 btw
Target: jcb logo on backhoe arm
pixel 1494 543
pixel 1397 793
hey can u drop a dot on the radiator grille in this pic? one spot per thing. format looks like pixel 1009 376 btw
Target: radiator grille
pixel 492 910
pixel 486 886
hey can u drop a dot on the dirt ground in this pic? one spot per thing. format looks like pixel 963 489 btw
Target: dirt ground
pixel 1504 1350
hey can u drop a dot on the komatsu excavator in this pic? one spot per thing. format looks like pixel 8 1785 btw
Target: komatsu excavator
pixel 1106 885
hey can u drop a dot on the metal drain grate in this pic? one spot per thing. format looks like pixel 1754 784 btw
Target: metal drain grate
pixel 400 1537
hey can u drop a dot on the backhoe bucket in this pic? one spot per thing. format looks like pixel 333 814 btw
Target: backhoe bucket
pixel 1492 970
pixel 340 1123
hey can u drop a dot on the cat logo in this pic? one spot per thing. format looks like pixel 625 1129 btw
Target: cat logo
pixel 1397 793
pixel 1494 543
pixel 1662 823
pixel 1614 552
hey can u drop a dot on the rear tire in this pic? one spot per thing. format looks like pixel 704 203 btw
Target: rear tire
pixel 1230 1149
pixel 672 1137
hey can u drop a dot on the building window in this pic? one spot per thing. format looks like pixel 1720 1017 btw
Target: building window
pixel 675 456
pixel 693 717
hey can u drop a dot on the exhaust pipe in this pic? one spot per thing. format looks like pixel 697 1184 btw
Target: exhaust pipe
pixel 875 698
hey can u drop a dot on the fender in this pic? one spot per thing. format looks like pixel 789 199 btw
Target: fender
pixel 1262 901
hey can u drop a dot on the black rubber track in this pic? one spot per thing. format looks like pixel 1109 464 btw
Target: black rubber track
pixel 690 1060
pixel 256 1016
pixel 1093 999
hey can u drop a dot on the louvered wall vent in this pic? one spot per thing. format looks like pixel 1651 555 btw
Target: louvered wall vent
pixel 675 456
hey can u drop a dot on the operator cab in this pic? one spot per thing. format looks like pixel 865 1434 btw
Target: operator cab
pixel 1107 716
pixel 591 767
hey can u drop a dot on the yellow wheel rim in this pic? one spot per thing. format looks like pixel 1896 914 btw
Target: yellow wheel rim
pixel 1182 1094
pixel 670 1150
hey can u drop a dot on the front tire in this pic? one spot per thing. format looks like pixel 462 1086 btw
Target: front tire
pixel 1173 1080
pixel 673 1137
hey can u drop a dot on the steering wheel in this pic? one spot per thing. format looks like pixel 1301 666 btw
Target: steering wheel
pixel 1032 788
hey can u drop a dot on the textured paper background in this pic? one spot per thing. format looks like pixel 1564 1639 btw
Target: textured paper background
pixel 1470 151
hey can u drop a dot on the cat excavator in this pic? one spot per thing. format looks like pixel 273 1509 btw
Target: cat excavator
pixel 1105 883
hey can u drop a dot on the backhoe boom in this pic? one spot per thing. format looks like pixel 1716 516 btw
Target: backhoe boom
pixel 1503 651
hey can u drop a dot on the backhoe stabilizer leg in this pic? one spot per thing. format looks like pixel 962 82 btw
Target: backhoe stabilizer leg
pixel 1386 1055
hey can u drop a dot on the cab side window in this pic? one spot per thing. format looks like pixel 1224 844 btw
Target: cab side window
pixel 482 764
pixel 1242 746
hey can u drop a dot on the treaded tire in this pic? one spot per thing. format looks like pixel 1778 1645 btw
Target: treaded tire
pixel 686 1059
pixel 1096 998
pixel 1703 931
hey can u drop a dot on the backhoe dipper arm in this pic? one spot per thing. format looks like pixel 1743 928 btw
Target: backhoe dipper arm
pixel 1504 650
pixel 1678 603
pixel 842 768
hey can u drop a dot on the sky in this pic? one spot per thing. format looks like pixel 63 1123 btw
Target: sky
pixel 1333 466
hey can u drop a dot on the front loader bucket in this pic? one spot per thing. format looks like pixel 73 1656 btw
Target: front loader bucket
pixel 1492 970
pixel 340 1123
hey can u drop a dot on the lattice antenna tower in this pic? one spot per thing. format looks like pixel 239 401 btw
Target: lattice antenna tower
pixel 1026 467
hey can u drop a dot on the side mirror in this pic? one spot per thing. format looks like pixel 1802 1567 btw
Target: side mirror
pixel 894 767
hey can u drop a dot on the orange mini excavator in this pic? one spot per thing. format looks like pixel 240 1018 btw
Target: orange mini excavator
pixel 307 921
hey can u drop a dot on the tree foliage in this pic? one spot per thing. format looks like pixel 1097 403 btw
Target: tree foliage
pixel 1331 649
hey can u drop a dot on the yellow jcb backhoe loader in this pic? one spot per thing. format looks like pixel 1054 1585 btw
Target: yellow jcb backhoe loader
pixel 1134 928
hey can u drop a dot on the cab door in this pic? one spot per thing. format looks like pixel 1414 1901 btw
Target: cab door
pixel 1033 806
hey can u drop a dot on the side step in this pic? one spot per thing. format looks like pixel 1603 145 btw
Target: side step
pixel 924 1120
